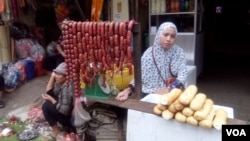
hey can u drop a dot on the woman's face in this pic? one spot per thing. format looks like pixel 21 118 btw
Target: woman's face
pixel 60 78
pixel 167 38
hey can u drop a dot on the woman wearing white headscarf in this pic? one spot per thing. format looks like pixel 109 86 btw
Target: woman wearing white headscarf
pixel 161 63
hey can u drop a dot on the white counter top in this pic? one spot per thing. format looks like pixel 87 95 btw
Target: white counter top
pixel 149 127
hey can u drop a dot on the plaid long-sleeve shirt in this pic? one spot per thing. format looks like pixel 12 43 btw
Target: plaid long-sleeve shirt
pixel 64 96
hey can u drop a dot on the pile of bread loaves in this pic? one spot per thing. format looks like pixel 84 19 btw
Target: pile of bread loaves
pixel 191 107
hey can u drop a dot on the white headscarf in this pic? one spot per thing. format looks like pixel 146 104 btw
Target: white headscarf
pixel 166 59
pixel 162 28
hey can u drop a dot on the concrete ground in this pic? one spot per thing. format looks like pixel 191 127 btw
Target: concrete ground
pixel 26 94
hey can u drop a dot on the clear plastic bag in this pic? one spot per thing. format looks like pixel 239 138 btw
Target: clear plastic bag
pixel 37 51
pixel 11 77
pixel 81 116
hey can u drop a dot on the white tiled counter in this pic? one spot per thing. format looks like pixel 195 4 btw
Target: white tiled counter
pixel 149 127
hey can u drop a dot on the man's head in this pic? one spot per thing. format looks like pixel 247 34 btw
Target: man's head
pixel 60 73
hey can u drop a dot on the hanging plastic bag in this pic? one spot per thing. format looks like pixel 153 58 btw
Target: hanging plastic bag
pixel 101 114
pixel 23 46
pixel 96 10
pixel 81 116
pixel 37 51
pixel 21 67
pixel 11 77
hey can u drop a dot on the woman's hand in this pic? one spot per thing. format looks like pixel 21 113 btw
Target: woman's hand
pixel 123 95
pixel 48 98
pixel 51 82
pixel 162 91
pixel 60 50
pixel 53 75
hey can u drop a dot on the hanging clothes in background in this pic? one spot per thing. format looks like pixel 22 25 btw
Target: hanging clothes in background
pixel 61 11
pixel 5 12
pixel 2 6
pixel 96 10
pixel 5 51
pixel 14 9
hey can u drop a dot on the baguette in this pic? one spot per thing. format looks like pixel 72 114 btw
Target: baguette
pixel 198 101
pixel 156 110
pixel 220 118
pixel 188 94
pixel 191 120
pixel 161 107
pixel 167 99
pixel 203 113
pixel 208 122
pixel 180 117
pixel 187 111
pixel 166 114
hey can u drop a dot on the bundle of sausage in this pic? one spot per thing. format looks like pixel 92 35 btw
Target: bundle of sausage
pixel 191 107
pixel 92 48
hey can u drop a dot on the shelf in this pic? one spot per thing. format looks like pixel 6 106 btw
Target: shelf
pixel 184 22
pixel 172 13
pixel 189 25
pixel 181 33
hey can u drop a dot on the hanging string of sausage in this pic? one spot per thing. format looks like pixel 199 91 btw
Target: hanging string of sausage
pixel 93 48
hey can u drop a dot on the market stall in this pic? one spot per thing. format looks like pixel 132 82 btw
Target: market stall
pixel 144 124
pixel 88 67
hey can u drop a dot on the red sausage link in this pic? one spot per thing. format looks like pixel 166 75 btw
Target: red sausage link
pixel 116 40
pixel 121 43
pixel 111 28
pixel 79 36
pixel 129 37
pixel 83 27
pixel 106 29
pixel 94 28
pixel 74 28
pixel 78 27
pixel 102 29
pixel 131 24
pixel 90 28
pixel 122 28
pixel 116 29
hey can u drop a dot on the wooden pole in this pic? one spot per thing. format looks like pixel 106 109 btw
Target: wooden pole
pixel 137 59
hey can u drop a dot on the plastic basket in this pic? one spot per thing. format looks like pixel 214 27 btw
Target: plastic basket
pixel 120 80
pixel 94 91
